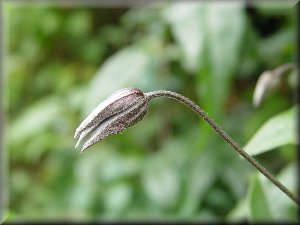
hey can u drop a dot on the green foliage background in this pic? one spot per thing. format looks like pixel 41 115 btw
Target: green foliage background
pixel 63 60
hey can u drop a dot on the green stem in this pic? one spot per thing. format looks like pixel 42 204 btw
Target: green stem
pixel 226 137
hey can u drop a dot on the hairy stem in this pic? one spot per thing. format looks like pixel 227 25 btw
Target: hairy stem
pixel 226 137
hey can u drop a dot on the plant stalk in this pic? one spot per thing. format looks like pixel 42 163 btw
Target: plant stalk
pixel 226 137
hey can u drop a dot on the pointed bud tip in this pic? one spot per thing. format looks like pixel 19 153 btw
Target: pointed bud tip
pixel 77 144
pixel 83 149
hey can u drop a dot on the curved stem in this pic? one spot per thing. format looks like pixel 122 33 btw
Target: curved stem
pixel 226 137
pixel 279 71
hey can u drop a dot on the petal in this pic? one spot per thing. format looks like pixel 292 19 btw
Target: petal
pixel 117 102
pixel 85 133
pixel 117 123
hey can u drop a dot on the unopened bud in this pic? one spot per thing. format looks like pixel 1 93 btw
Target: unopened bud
pixel 266 83
pixel 122 109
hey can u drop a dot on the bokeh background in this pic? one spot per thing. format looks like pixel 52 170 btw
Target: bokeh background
pixel 62 60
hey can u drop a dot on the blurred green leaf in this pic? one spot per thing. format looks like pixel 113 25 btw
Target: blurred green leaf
pixel 239 212
pixel 34 120
pixel 275 8
pixel 7 216
pixel 277 131
pixel 265 194
pixel 78 24
pixel 293 79
pixel 259 204
pixel 225 27
pixel 117 198
pixel 210 36
pixel 161 183
pixel 202 171
pixel 129 67
pixel 187 23
pixel 277 47
pixel 283 208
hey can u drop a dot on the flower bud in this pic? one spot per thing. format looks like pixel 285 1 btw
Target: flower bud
pixel 122 109
pixel 266 83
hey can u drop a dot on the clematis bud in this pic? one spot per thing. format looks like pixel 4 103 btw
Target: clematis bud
pixel 266 83
pixel 122 109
